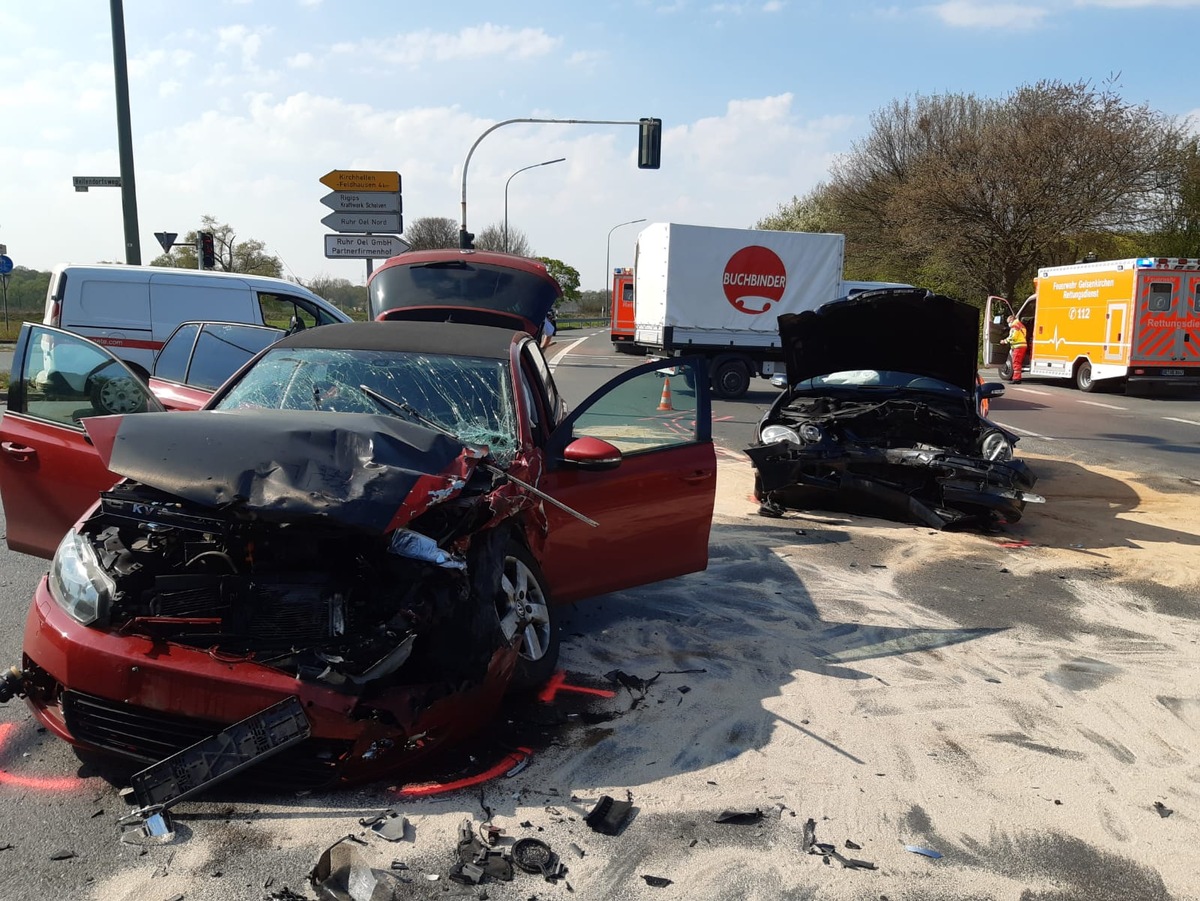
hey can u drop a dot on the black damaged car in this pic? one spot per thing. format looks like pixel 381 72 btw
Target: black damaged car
pixel 881 416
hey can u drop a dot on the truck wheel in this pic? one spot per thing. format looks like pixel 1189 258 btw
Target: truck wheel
pixel 1083 377
pixel 731 379
pixel 1005 369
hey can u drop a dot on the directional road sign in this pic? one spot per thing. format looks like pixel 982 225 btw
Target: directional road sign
pixel 363 247
pixel 361 180
pixel 363 222
pixel 83 182
pixel 363 201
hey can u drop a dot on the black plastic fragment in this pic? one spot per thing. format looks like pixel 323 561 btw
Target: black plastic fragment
pixel 1163 810
pixel 609 815
pixel 656 881
pixel 62 855
pixel 810 836
pixel 740 817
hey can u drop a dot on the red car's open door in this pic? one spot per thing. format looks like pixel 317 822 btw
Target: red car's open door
pixel 49 472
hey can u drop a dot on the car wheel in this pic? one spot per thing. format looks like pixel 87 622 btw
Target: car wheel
pixel 1083 377
pixel 525 610
pixel 122 394
pixel 731 380
pixel 1005 369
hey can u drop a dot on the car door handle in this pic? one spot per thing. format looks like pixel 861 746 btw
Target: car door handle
pixel 17 451
pixel 698 477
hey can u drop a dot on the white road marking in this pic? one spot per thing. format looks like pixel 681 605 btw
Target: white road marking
pixel 566 350
pixel 1025 390
pixel 1095 403
pixel 1184 421
pixel 1027 433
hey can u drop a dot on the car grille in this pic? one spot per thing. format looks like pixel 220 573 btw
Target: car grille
pixel 149 736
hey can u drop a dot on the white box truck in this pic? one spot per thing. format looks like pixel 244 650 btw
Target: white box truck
pixel 718 292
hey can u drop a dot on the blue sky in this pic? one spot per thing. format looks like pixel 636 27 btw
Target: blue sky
pixel 240 106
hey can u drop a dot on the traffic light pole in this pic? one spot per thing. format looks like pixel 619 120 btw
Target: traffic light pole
pixel 133 242
pixel 465 238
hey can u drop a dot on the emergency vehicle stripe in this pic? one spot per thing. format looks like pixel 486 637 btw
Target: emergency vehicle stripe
pixel 128 342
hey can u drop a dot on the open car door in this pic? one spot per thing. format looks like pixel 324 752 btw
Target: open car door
pixel 49 472
pixel 653 501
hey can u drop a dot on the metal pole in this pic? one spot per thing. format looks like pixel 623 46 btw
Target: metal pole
pixel 133 243
pixel 562 159
pixel 4 281
pixel 608 273
pixel 462 228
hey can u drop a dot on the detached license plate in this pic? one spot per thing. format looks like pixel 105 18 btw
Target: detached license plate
pixel 1172 372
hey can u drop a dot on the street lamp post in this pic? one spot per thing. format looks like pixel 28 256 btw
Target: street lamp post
pixel 608 262
pixel 510 178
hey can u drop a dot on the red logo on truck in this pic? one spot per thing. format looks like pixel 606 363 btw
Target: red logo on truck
pixel 754 279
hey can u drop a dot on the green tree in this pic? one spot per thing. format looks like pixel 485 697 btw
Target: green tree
pixel 566 276
pixel 249 256
pixel 814 212
pixel 431 233
pixel 342 293
pixel 972 195
pixel 1177 233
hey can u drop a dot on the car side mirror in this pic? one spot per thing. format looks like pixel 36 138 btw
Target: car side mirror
pixel 295 325
pixel 591 454
pixel 988 390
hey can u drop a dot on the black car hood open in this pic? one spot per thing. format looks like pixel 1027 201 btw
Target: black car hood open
pixel 356 469
pixel 896 329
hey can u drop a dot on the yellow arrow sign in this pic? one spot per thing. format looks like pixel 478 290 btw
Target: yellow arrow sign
pixel 361 180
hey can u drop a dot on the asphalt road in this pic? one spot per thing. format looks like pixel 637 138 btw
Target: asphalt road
pixel 59 813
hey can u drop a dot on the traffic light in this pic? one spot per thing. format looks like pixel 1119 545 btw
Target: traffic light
pixel 649 143
pixel 208 252
pixel 466 240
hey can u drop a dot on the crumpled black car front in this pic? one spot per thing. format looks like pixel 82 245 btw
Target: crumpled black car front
pixel 881 417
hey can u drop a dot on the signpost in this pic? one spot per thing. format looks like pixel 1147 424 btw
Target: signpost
pixel 363 223
pixel 364 203
pixel 361 180
pixel 6 267
pixel 363 247
pixel 83 182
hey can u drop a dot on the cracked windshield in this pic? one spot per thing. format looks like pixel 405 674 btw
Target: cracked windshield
pixel 467 397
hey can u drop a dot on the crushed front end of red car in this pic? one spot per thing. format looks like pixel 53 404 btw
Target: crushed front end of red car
pixel 356 563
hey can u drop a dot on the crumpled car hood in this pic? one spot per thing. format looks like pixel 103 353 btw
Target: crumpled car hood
pixel 356 469
pixel 898 329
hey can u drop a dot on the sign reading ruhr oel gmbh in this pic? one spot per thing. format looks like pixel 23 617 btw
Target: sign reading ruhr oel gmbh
pixel 363 247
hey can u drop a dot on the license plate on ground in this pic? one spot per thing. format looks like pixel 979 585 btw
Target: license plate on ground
pixel 1172 372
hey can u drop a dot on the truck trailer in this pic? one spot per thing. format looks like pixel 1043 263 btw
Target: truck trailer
pixel 1129 322
pixel 718 292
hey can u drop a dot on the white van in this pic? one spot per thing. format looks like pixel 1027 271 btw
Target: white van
pixel 132 310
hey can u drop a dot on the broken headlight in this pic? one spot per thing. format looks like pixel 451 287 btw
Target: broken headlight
pixel 78 583
pixel 995 446
pixel 774 434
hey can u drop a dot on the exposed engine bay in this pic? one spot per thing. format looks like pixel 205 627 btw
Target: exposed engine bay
pixel 927 422
pixel 353 609
pixel 912 455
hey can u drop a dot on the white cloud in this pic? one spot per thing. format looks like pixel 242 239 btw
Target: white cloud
pixel 478 42
pixel 973 14
pixel 301 61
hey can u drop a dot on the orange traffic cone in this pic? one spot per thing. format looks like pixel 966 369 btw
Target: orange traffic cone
pixel 665 402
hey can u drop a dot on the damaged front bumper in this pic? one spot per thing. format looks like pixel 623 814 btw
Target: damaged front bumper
pixel 159 697
pixel 928 487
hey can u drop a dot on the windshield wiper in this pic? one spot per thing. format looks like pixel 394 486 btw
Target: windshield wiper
pixel 399 407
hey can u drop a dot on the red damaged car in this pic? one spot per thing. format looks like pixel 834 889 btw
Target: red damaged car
pixel 377 519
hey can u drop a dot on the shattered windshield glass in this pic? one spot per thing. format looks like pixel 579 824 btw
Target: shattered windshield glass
pixel 470 397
